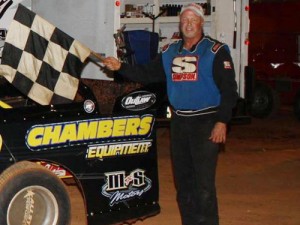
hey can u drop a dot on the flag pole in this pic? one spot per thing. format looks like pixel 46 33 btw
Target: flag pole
pixel 97 56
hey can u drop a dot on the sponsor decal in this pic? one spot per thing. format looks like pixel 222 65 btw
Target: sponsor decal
pixel 138 100
pixel 89 106
pixel 185 69
pixel 102 151
pixel 56 169
pixel 54 135
pixel 165 47
pixel 227 65
pixel 29 208
pixel 216 47
pixel 120 188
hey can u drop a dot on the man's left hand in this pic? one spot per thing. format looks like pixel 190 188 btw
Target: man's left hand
pixel 218 134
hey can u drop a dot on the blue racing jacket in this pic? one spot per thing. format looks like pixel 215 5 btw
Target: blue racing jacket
pixel 189 75
pixel 201 78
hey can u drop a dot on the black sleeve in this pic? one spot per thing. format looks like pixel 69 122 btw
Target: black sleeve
pixel 224 77
pixel 152 72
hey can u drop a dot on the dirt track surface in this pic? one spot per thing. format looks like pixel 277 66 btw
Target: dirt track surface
pixel 258 176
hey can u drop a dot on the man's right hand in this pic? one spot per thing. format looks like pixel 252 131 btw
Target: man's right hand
pixel 112 63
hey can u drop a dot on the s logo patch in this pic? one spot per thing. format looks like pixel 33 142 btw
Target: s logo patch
pixel 185 69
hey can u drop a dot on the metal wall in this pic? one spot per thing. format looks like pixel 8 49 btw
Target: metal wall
pixel 90 22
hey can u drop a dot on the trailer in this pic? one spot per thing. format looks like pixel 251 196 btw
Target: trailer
pixel 274 56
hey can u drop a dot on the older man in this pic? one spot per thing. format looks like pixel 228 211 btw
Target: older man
pixel 201 90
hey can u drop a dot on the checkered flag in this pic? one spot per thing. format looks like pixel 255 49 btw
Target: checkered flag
pixel 40 60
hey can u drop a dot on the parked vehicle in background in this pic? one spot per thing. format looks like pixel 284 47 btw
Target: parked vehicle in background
pixel 274 55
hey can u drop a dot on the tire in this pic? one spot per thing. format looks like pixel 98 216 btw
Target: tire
pixel 32 194
pixel 297 105
pixel 265 101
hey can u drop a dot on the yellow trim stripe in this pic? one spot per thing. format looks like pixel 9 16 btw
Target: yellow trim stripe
pixel 1 141
pixel 4 105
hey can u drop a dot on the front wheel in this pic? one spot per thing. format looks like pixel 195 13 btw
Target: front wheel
pixel 31 194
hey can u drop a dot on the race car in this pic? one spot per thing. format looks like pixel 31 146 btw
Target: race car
pixel 112 158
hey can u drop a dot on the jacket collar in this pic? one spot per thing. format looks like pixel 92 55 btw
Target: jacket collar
pixel 193 47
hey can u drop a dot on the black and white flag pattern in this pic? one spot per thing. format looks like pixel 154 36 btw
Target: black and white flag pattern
pixel 40 60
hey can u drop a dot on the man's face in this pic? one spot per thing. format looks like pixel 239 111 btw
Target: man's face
pixel 191 24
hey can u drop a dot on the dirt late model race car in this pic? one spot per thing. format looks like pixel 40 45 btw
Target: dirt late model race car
pixel 112 159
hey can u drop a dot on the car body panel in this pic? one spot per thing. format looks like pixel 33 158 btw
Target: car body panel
pixel 113 158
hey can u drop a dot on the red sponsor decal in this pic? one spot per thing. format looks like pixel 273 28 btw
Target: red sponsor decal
pixel 216 47
pixel 227 65
pixel 184 77
pixel 56 169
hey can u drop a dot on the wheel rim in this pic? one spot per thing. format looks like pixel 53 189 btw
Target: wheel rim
pixel 34 205
pixel 261 102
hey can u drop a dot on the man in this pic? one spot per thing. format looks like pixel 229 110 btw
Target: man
pixel 201 89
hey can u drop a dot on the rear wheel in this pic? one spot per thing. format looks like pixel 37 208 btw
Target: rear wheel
pixel 265 101
pixel 31 194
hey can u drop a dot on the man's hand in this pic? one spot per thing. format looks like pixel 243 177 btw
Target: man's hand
pixel 218 134
pixel 112 63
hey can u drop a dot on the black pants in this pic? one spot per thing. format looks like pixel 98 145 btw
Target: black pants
pixel 194 159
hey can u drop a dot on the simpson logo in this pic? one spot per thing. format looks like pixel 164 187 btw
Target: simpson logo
pixel 45 136
pixel 185 69
pixel 121 188
pixel 139 100
pixel 118 149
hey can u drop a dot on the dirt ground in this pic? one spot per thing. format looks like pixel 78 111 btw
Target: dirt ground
pixel 258 176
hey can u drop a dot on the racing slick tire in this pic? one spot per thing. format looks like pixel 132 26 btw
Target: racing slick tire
pixel 32 194
pixel 265 101
pixel 297 105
